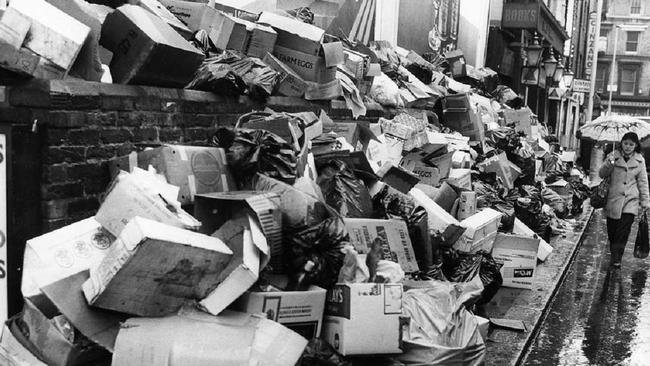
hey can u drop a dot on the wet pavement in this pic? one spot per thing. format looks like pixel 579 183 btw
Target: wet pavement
pixel 600 315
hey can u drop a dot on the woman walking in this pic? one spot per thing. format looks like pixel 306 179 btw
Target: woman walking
pixel 628 188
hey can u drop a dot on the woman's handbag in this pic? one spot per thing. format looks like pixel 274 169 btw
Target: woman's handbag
pixel 641 245
pixel 599 194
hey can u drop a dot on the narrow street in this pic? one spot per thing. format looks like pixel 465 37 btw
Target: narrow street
pixel 600 315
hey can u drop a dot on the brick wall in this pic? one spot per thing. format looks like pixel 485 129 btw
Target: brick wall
pixel 82 126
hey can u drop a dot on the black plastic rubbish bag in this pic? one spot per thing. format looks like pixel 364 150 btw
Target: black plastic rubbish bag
pixel 441 330
pixel 320 353
pixel 322 244
pixel 257 151
pixel 529 211
pixel 390 203
pixel 553 199
pixel 218 78
pixel 343 191
pixel 463 267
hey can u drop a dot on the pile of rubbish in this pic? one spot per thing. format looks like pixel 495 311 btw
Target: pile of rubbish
pixel 293 238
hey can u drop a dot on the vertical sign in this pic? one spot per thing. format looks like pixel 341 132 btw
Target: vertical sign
pixel 4 293
pixel 591 46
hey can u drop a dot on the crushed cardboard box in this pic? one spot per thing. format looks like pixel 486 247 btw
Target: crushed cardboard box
pixel 153 268
pixel 192 338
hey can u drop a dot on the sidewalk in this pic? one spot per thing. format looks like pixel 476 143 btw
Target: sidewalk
pixel 506 347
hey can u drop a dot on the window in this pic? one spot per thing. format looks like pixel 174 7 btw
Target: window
pixel 628 79
pixel 604 32
pixel 602 78
pixel 632 43
pixel 635 7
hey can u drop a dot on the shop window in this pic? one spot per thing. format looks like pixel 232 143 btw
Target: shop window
pixel 628 79
pixel 635 7
pixel 632 43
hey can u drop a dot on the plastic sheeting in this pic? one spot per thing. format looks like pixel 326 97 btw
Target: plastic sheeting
pixel 463 267
pixel 442 331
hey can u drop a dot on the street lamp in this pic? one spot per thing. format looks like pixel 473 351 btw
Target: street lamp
pixel 559 74
pixel 568 78
pixel 550 64
pixel 533 52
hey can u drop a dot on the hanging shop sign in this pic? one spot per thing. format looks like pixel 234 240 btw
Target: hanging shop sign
pixel 536 16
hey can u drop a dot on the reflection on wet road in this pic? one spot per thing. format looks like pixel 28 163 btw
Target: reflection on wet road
pixel 600 315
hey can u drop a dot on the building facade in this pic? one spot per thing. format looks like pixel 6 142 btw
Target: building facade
pixel 624 57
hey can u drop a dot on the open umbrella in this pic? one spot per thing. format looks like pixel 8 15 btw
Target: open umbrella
pixel 610 129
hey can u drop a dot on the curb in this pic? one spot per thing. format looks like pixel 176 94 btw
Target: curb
pixel 506 347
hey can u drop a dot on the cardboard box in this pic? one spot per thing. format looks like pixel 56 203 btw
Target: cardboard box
pixel 461 116
pixel 481 231
pixel 324 91
pixel 309 67
pixel 53 34
pixel 195 169
pixel 196 15
pixel 428 174
pixel 466 205
pixel 250 254
pixel 293 34
pixel 61 253
pixel 195 338
pixel 290 83
pixel 398 178
pixel 21 60
pixel 363 318
pixel 515 171
pixel 155 7
pixel 13 352
pixel 521 118
pixel 141 194
pixel 54 337
pixel 461 178
pixel 230 33
pixel 545 249
pixel 153 268
pixel 14 27
pixel 300 311
pixel 396 243
pixel 518 254
pixel 262 41
pixel 139 40
pixel 561 187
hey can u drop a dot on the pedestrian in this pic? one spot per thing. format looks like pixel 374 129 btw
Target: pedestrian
pixel 628 192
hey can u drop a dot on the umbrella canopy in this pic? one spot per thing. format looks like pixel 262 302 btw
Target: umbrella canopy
pixel 610 129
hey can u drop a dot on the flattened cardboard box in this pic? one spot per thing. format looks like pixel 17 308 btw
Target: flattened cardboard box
pixel 153 268
pixel 396 243
pixel 139 40
pixel 518 254
pixel 363 318
pixel 300 311
pixel 195 169
pixel 192 338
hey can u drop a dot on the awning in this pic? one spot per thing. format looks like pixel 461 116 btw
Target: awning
pixel 535 16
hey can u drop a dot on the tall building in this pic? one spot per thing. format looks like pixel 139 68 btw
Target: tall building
pixel 624 57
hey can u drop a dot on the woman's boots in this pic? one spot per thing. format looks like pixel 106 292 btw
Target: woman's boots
pixel 616 254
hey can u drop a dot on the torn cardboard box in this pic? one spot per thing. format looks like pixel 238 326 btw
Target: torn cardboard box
pixel 61 253
pixel 215 209
pixel 393 234
pixel 545 249
pixel 54 336
pixel 250 255
pixel 354 311
pixel 53 34
pixel 518 255
pixel 300 311
pixel 142 194
pixel 199 339
pixel 195 169
pixel 139 41
pixel 12 350
pixel 500 165
pixel 153 268
pixel 230 33
pixel 262 40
